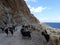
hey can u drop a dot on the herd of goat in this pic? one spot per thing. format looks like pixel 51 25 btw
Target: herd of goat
pixel 25 30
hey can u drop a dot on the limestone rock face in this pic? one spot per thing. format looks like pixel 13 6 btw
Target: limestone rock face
pixel 15 11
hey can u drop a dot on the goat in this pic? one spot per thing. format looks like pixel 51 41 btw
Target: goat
pixel 25 33
pixel 2 28
pixel 47 37
pixel 6 31
pixel 11 30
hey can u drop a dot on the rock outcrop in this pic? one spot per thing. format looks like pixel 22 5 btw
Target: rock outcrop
pixel 16 10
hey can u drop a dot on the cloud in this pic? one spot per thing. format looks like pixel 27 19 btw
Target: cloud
pixel 30 0
pixel 37 9
pixel 45 19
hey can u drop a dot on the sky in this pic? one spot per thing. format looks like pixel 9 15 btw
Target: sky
pixel 45 10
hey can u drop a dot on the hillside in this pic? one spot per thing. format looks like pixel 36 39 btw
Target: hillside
pixel 16 12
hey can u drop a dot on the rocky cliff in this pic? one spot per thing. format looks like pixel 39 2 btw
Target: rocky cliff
pixel 15 11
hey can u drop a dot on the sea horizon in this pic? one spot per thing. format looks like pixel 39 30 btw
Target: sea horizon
pixel 53 24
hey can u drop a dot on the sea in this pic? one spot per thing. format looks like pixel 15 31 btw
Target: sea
pixel 53 24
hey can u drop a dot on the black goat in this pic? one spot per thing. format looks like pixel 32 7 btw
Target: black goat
pixel 6 31
pixel 2 28
pixel 25 33
pixel 11 30
pixel 47 37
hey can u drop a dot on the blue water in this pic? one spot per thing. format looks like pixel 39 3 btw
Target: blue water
pixel 54 25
